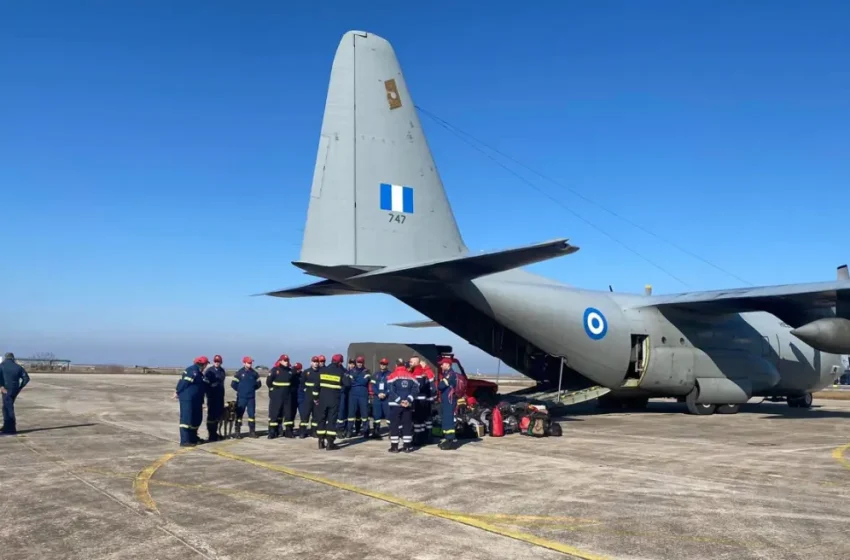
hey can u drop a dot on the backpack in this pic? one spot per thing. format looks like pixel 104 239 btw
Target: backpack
pixel 460 387
pixel 538 425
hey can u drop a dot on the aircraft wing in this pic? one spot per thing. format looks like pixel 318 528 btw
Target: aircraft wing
pixel 796 304
pixel 416 324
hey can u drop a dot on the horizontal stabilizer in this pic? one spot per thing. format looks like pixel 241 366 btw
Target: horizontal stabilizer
pixel 416 324
pixel 468 267
pixel 323 288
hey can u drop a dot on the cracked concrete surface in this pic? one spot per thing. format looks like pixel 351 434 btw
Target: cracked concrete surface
pixel 96 473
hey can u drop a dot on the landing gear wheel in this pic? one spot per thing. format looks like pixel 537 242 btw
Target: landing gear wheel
pixel 698 409
pixel 804 401
pixel 728 408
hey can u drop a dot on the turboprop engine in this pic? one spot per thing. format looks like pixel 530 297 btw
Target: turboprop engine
pixel 831 335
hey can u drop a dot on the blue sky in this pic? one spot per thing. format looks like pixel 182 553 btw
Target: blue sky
pixel 156 158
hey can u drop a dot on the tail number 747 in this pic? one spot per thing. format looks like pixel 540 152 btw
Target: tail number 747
pixel 397 217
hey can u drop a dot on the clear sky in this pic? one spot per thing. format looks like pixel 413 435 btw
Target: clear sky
pixel 156 158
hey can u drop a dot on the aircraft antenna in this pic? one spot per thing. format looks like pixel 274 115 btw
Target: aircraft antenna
pixel 460 134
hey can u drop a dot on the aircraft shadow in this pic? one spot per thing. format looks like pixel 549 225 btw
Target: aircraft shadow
pixel 772 411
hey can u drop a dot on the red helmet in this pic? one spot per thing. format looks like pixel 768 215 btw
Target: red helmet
pixel 360 360
pixel 322 358
pixel 314 359
pixel 217 358
pixel 337 359
pixel 298 365
pixel 247 360
pixel 202 360
pixel 283 358
pixel 384 362
pixel 445 361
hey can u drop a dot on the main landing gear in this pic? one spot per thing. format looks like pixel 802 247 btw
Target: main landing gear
pixel 803 401
pixel 706 409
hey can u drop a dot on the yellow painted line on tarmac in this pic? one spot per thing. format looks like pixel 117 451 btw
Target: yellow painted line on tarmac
pixel 839 454
pixel 141 482
pixel 418 507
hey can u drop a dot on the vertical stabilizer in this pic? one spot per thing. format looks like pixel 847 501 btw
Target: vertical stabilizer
pixel 377 198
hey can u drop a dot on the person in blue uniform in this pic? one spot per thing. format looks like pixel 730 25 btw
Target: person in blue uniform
pixel 326 399
pixel 380 391
pixel 448 402
pixel 342 415
pixel 294 396
pixel 306 409
pixel 404 388
pixel 190 393
pixel 214 375
pixel 245 383
pixel 358 381
pixel 13 379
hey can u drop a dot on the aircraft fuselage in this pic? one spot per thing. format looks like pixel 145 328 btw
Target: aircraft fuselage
pixel 609 339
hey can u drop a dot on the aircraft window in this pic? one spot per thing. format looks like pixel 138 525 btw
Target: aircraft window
pixel 681 341
pixel 663 340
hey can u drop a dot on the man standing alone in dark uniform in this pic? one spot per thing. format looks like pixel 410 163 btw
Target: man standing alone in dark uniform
pixel 13 379
pixel 326 398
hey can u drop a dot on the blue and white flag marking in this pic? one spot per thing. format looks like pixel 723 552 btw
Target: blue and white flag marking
pixel 396 198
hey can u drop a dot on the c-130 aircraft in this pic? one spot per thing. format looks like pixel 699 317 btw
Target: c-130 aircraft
pixel 393 232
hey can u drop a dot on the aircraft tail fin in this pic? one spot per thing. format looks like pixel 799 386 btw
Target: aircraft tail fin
pixel 377 198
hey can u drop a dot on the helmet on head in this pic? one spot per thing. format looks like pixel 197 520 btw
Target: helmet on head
pixel 247 360
pixel 217 358
pixel 283 358
pixel 337 359
pixel 298 365
pixel 322 358
pixel 202 360
pixel 360 360
pixel 445 361
pixel 314 359
pixel 384 362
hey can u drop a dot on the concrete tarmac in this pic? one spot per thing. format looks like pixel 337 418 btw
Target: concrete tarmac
pixel 96 473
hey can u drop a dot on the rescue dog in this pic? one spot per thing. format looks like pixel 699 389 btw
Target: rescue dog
pixel 228 418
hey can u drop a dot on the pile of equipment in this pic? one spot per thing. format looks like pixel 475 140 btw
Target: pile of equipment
pixel 474 421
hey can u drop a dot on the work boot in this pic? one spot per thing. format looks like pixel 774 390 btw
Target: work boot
pixel 393 448
pixel 272 432
pixel 252 430
pixel 331 445
pixel 408 447
pixel 288 433
pixel 237 434
pixel 447 445
pixel 304 432
pixel 321 442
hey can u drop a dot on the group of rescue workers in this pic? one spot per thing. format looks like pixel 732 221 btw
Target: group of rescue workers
pixel 330 400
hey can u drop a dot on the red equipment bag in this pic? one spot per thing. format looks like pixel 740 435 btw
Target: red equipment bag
pixel 523 423
pixel 497 428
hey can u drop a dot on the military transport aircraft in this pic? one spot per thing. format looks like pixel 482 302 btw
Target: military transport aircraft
pixel 379 221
